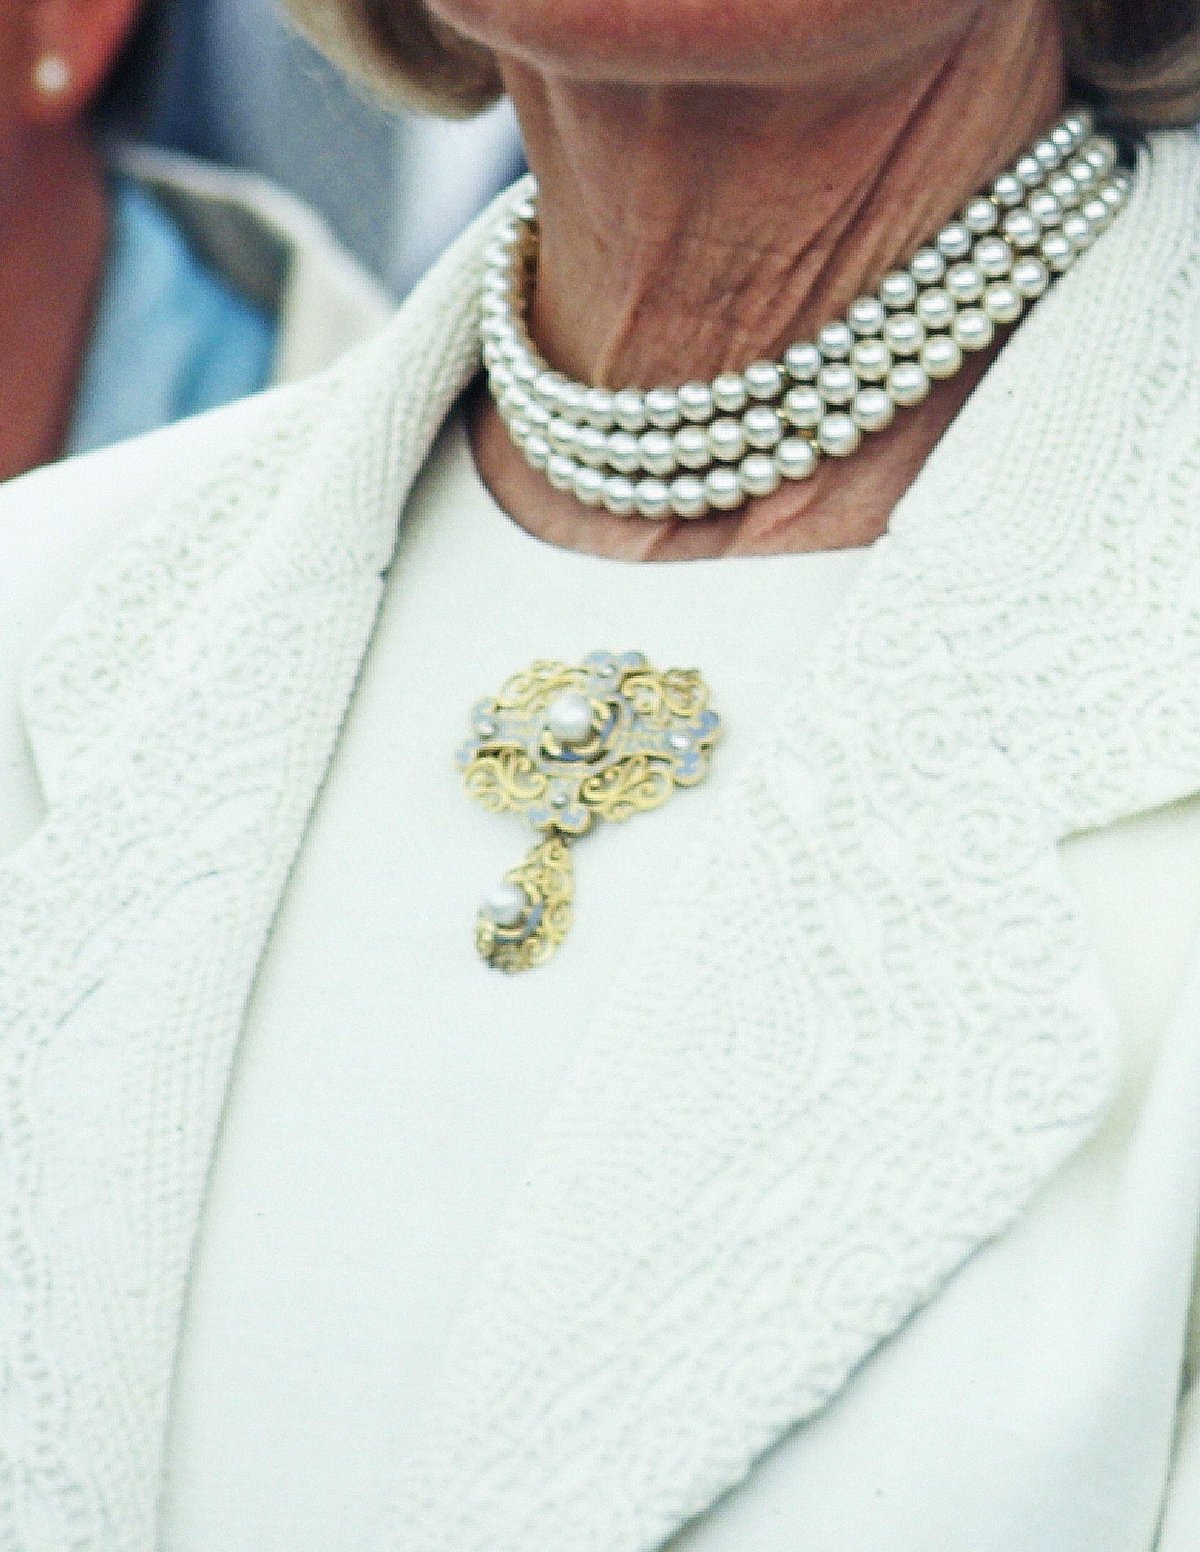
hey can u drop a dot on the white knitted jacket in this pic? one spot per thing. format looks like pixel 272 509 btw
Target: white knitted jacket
pixel 864 1029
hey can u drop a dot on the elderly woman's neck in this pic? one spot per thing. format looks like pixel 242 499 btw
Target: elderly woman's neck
pixel 690 230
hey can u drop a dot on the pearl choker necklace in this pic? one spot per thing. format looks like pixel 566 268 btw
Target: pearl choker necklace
pixel 689 450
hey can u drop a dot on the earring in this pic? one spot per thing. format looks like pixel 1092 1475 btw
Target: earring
pixel 52 75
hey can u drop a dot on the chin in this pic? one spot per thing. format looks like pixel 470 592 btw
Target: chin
pixel 679 42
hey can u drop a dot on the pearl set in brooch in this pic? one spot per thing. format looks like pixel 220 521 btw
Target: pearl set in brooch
pixel 686 451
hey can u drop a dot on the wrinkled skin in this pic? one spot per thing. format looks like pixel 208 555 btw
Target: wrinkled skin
pixel 719 177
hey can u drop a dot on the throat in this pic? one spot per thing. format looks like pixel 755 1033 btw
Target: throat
pixel 686 232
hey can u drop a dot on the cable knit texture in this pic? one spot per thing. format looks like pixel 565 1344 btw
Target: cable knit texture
pixel 859 1035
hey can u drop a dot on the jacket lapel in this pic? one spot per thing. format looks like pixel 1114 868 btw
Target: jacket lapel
pixel 864 1027
pixel 183 714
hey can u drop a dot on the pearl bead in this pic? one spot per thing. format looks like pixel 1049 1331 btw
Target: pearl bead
pixel 1077 229
pixel 687 496
pixel 872 409
pixel 795 458
pixel 1044 208
pixel 1113 197
pixel 898 289
pixel 562 435
pixel 570 718
pixel 662 409
pixel 763 380
pixel 656 452
pixel 954 241
pixel 1083 173
pixel 560 471
pixel 629 410
pixel 1021 229
pixel 546 386
pixel 589 486
pixel 964 283
pixel 836 382
pixel 501 377
pixel 624 454
pixel 935 308
pixel 652 498
pixel 973 329
pixel 993 257
pixel 726 439
pixel 1030 277
pixel 941 357
pixel 866 315
pixel 723 489
pixel 507 905
pixel 1062 138
pixel 1047 154
pixel 691 447
pixel 598 408
pixel 729 393
pixel 927 266
pixel 908 383
pixel 762 427
pixel 803 362
pixel 1065 190
pixel 1030 171
pixel 837 434
pixel 904 334
pixel 570 399
pixel 1007 190
pixel 618 494
pixel 1002 302
pixel 870 360
pixel 696 401
pixel 537 451
pixel 1057 251
pixel 835 340
pixel 1095 211
pixel 980 216
pixel 592 445
pixel 803 407
pixel 758 475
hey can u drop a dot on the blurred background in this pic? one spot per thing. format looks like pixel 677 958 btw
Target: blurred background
pixel 240 87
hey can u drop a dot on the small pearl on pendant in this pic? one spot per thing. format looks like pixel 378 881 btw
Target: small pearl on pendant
pixel 507 905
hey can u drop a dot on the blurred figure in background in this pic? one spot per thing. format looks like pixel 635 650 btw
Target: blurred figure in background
pixel 246 90
pixel 139 287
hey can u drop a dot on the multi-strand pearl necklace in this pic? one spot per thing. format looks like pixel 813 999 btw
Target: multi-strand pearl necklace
pixel 688 450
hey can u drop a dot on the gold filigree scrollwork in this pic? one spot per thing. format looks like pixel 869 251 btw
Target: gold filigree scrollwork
pixel 546 879
pixel 634 785
pixel 565 745
pixel 505 781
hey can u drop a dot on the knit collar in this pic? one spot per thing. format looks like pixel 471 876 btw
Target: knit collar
pixel 862 1029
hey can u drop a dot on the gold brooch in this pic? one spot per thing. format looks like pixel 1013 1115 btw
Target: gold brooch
pixel 565 745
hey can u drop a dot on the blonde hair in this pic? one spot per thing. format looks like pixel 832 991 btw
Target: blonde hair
pixel 1137 60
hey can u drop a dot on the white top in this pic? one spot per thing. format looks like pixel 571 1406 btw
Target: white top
pixel 390 1088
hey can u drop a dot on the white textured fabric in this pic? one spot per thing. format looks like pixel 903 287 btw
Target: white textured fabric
pixel 373 1018
pixel 865 1030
